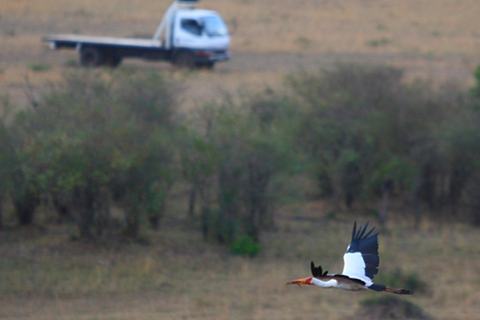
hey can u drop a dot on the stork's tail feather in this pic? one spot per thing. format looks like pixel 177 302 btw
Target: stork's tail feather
pixel 381 287
pixel 399 291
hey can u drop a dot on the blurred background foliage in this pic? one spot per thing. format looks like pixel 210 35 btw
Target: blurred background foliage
pixel 118 139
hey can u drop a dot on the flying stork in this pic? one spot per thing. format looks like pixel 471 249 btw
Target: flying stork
pixel 360 265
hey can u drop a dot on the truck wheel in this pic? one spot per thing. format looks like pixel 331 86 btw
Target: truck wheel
pixel 184 60
pixel 91 57
pixel 112 60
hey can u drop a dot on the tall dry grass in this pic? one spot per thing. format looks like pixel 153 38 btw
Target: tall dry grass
pixel 178 276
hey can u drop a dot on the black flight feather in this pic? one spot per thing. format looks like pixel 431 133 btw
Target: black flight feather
pixel 367 244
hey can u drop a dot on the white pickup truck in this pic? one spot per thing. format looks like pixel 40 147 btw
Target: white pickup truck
pixel 187 37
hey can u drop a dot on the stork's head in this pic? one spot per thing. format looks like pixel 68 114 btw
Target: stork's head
pixel 299 282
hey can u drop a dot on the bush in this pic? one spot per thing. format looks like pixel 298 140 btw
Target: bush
pixel 96 135
pixel 38 67
pixel 243 149
pixel 350 125
pixel 368 134
pixel 245 246
pixel 389 308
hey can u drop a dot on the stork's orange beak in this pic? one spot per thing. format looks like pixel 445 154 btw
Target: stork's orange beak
pixel 299 282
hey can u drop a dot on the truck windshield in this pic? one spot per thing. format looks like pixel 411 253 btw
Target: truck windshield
pixel 214 26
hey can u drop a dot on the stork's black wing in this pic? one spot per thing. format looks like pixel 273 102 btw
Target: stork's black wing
pixel 361 259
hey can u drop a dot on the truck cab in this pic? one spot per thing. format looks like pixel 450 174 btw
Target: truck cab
pixel 199 37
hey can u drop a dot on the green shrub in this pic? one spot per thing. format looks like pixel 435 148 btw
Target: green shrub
pixel 92 137
pixel 245 246
pixel 71 63
pixel 378 42
pixel 389 307
pixel 38 67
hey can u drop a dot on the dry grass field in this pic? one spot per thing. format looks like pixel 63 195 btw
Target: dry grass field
pixel 434 39
pixel 44 275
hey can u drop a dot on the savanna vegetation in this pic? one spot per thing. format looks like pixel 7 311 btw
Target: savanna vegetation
pixel 110 153
pixel 363 136
pixel 144 193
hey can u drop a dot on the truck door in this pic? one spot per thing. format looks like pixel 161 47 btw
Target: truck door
pixel 188 33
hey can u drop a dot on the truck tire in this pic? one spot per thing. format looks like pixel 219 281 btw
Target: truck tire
pixel 91 57
pixel 112 60
pixel 184 60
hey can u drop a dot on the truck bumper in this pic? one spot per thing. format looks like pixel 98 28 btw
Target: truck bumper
pixel 208 56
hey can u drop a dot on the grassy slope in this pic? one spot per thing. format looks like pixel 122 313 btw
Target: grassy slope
pixel 45 277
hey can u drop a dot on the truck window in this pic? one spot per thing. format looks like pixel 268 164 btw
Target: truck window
pixel 214 26
pixel 192 26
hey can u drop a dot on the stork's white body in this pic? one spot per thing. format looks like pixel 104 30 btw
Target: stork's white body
pixel 354 267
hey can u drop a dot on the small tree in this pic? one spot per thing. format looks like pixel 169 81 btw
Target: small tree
pixel 7 155
pixel 64 145
pixel 17 182
pixel 147 174
pixel 91 135
pixel 250 149
pixel 338 132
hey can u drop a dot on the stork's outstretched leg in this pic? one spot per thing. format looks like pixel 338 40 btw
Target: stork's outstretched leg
pixel 381 287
